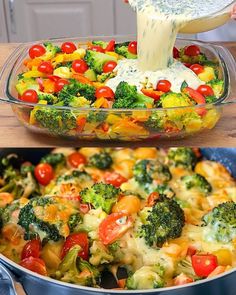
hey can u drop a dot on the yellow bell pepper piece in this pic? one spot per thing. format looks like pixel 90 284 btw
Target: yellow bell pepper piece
pixel 34 74
pixel 113 119
pixel 62 72
pixel 224 257
pixel 129 129
pixel 112 53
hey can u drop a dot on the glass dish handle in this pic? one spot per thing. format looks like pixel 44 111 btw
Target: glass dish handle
pixel 6 69
pixel 231 65
pixel 9 280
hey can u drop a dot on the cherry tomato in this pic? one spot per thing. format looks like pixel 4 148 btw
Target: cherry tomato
pixel 34 264
pixel 36 51
pixel 84 208
pixel 182 279
pixel 109 66
pixel 111 46
pixel 68 47
pixel 32 248
pixel 79 66
pixel 113 227
pixel 195 95
pixel 80 239
pixel 156 95
pixel 76 159
pixel 191 251
pixel 203 265
pixel 164 86
pixel 46 67
pixel 114 178
pixel 53 78
pixel 205 90
pixel 133 47
pixel 176 52
pixel 59 85
pixel 30 96
pixel 106 92
pixel 192 50
pixel 152 199
pixel 97 48
pixel 44 173
pixel 197 69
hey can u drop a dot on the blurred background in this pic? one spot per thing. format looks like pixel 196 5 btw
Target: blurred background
pixel 29 20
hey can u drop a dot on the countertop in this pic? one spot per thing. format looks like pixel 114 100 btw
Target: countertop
pixel 12 134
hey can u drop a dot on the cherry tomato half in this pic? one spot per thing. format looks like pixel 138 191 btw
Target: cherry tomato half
pixel 205 90
pixel 113 227
pixel 97 48
pixel 106 92
pixel 197 69
pixel 59 85
pixel 192 50
pixel 35 264
pixel 32 248
pixel 133 47
pixel 195 95
pixel 109 66
pixel 68 47
pixel 46 67
pixel 30 96
pixel 36 51
pixel 44 173
pixel 114 178
pixel 176 52
pixel 76 159
pixel 164 86
pixel 80 239
pixel 203 265
pixel 79 66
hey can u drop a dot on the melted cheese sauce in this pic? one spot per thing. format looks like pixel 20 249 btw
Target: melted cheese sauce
pixel 177 73
pixel 159 22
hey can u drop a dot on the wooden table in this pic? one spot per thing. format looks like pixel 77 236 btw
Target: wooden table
pixel 12 134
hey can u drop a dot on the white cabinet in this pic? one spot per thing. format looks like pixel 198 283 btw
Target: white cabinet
pixel 30 20
pixel 3 28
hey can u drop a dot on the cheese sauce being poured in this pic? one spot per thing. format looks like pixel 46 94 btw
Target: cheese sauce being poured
pixel 159 22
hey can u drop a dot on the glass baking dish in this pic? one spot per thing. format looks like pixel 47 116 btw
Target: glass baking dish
pixel 120 124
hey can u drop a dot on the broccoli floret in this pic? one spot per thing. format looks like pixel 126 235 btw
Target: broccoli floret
pixel 54 159
pixel 199 59
pixel 77 94
pixel 164 189
pixel 56 121
pixel 96 60
pixel 101 195
pixel 156 121
pixel 164 221
pixel 51 50
pixel 145 171
pixel 220 223
pixel 49 98
pixel 6 213
pixel 122 49
pixel 103 44
pixel 96 117
pixel 74 221
pixel 197 181
pixel 217 86
pixel 19 182
pixel 105 76
pixel 147 277
pixel 74 176
pixel 183 157
pixel 211 99
pixel 172 99
pixel 101 161
pixel 29 221
pixel 77 271
pixel 127 96
pixel 99 254
pixel 185 267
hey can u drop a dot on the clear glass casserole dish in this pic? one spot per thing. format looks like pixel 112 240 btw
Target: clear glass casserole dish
pixel 120 124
